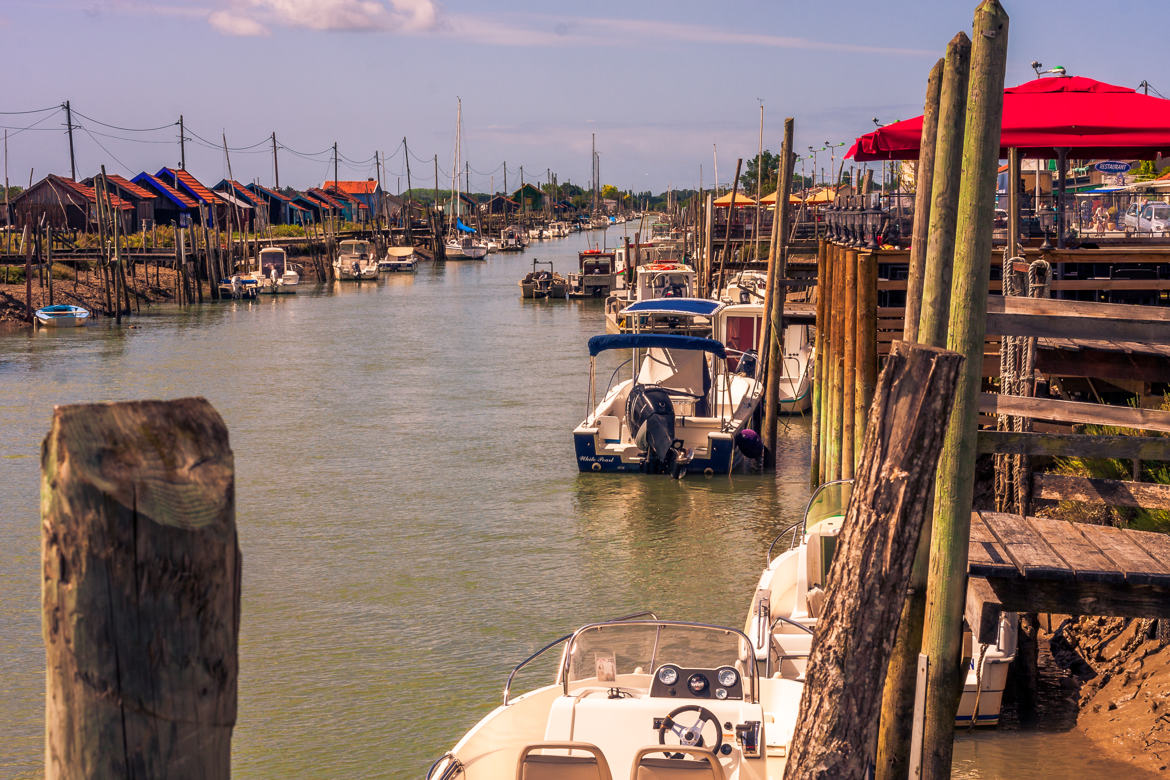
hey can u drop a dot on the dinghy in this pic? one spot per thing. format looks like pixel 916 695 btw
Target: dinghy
pixel 62 315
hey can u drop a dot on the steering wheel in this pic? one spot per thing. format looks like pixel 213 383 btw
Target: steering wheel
pixel 691 735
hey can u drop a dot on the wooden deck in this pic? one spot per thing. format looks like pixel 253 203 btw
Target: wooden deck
pixel 1032 564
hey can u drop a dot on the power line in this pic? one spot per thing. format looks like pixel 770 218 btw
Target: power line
pixel 20 130
pixel 33 111
pixel 126 129
pixel 125 167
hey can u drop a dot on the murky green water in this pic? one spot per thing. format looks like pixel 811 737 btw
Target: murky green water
pixel 409 510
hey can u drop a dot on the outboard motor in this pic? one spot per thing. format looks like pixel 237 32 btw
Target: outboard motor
pixel 747 363
pixel 650 414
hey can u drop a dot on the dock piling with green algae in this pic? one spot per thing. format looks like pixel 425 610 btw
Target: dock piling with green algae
pixel 848 363
pixel 865 341
pixel 817 460
pixel 922 195
pixel 946 586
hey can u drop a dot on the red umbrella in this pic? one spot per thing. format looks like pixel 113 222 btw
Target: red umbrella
pixel 1091 117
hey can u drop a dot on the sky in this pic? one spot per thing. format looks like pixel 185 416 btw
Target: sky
pixel 671 88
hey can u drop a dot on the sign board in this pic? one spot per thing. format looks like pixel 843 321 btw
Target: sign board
pixel 1113 166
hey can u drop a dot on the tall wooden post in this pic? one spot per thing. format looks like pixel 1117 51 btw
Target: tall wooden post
pixel 708 242
pixel 826 324
pixel 922 195
pixel 818 419
pixel 773 340
pixel 948 172
pixel 866 345
pixel 837 724
pixel 140 591
pixel 718 284
pixel 946 585
pixel 27 244
pixel 848 364
pixel 836 365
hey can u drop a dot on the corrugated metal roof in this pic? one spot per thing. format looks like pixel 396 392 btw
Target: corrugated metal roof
pixel 181 199
pixel 89 193
pixel 130 187
pixel 325 198
pixel 367 187
pixel 190 184
pixel 269 192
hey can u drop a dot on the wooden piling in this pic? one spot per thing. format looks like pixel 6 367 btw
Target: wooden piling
pixel 837 723
pixel 26 244
pixel 922 195
pixel 848 363
pixel 946 585
pixel 817 465
pixel 865 342
pixel 948 173
pixel 773 329
pixel 140 591
pixel 836 365
pixel 825 289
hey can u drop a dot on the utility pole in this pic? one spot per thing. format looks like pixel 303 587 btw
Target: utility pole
pixel 593 171
pixel 406 155
pixel 69 124
pixel 436 203
pixel 335 179
pixel 182 145
pixel 275 164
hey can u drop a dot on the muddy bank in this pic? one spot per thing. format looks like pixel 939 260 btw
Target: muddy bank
pixel 1121 668
pixel 148 286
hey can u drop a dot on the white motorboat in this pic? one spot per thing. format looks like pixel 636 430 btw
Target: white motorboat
pixel 637 697
pixel 597 276
pixel 464 247
pixel 512 239
pixel 357 260
pixel 653 282
pixel 493 246
pixel 690 403
pixel 790 597
pixel 536 234
pixel 276 275
pixel 558 229
pixel 398 258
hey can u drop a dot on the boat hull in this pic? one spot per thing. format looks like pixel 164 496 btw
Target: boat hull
pixel 723 457
pixel 62 316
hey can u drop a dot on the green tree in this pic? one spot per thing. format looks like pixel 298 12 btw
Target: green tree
pixel 609 191
pixel 747 180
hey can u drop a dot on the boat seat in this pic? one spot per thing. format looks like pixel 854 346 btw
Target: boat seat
pixel 555 766
pixel 706 767
pixel 609 429
pixel 815 600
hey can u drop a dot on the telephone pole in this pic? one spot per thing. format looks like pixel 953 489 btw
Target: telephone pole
pixel 69 124
pixel 406 156
pixel 275 164
pixel 335 179
pixel 182 145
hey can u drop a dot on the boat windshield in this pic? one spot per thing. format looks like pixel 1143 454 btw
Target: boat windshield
pixel 626 655
pixel 830 500
pixel 355 248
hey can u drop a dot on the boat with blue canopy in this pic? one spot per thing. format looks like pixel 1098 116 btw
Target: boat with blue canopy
pixel 63 315
pixel 690 403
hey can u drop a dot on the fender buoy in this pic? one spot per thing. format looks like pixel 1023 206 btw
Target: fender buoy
pixel 596 466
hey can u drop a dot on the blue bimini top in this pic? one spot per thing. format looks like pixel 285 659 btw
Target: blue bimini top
pixel 693 307
pixel 599 344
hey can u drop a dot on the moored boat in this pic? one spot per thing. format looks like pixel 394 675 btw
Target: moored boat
pixel 541 283
pixel 686 407
pixel 276 275
pixel 464 247
pixel 512 239
pixel 652 282
pixel 62 315
pixel 628 692
pixel 398 259
pixel 597 276
pixel 790 597
pixel 356 260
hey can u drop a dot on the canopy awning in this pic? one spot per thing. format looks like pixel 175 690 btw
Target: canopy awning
pixel 741 200
pixel 826 195
pixel 599 344
pixel 695 307
pixel 1090 118
pixel 770 200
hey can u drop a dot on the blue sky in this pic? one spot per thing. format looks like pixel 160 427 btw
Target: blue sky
pixel 658 81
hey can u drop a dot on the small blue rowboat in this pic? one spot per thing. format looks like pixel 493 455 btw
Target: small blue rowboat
pixel 62 316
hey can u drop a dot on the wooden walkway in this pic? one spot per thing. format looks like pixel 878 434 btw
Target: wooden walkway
pixel 1032 564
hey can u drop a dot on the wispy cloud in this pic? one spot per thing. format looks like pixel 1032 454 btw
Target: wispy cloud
pixel 258 17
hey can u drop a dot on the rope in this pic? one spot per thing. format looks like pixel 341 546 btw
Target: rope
pixel 978 686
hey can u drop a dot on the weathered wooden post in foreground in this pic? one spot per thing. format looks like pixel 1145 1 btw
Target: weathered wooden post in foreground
pixel 946 583
pixel 922 194
pixel 772 345
pixel 837 726
pixel 140 591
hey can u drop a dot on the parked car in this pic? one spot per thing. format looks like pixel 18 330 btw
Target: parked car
pixel 1154 218
pixel 1129 220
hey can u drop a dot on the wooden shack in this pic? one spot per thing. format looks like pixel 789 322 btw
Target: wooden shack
pixel 63 203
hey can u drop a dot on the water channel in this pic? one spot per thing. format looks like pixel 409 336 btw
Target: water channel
pixel 410 514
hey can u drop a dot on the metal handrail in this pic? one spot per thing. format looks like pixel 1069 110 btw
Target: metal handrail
pixel 554 643
pixel 817 492
pixel 452 769
pixel 780 535
pixel 772 629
